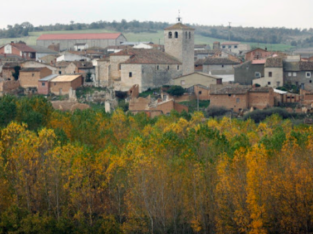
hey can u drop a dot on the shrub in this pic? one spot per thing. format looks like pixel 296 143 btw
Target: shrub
pixel 216 111
pixel 176 90
pixel 260 115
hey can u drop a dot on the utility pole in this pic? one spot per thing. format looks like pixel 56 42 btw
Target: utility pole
pixel 229 27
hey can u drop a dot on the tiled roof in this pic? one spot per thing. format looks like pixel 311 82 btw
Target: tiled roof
pixel 219 61
pixel 78 64
pixel 201 73
pixel 79 36
pixel 143 56
pixel 291 66
pixel 306 66
pixel 274 62
pixel 10 65
pixel 179 26
pixel 32 69
pixel 41 49
pixel 205 51
pixel 23 47
pixel 233 89
pixel 48 78
pixel 199 62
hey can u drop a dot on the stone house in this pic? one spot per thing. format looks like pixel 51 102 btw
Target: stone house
pixel 246 72
pixel 29 76
pixel 235 47
pixel 273 73
pixel 8 86
pixel 76 67
pixel 147 68
pixel 222 67
pixel 20 49
pixel 195 78
pixel 298 73
pixel 239 98
pixel 35 64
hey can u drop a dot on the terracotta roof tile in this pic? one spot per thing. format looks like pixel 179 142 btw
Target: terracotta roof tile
pixel 144 56
pixel 219 61
pixel 274 62
pixel 306 66
pixel 23 47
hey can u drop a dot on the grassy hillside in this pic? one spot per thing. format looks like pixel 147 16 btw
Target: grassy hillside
pixel 154 37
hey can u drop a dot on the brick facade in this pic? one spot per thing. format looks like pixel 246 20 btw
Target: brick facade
pixel 63 87
pixel 29 77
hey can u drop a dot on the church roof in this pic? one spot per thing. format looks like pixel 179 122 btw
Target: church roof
pixel 147 56
pixel 179 26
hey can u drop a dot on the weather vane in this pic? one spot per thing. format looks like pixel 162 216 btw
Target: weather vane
pixel 179 18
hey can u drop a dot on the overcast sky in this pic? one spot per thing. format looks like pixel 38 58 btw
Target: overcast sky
pixel 256 13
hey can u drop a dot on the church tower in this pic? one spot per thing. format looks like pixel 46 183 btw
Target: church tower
pixel 179 42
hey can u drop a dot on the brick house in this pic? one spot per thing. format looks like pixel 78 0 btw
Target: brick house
pixel 20 49
pixel 29 76
pixel 43 86
pixel 257 53
pixel 62 85
pixel 239 97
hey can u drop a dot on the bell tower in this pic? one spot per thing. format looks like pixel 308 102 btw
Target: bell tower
pixel 179 42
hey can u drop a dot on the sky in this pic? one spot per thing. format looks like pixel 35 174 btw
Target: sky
pixel 245 13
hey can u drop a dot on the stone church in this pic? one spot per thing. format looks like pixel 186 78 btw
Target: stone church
pixel 150 68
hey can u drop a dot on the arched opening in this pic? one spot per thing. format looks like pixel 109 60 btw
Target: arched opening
pixel 170 35
pixel 189 35
pixel 176 34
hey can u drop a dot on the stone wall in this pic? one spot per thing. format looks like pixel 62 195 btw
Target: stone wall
pixel 245 73
pixel 103 74
pixel 181 48
pixel 30 78
pixel 7 73
pixel 34 64
pixel 8 86
pixel 116 65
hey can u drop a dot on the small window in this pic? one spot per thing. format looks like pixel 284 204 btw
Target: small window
pixel 257 75
pixel 222 65
pixel 176 34
pixel 200 92
pixel 224 47
pixel 158 67
pixel 55 83
pixel 60 72
pixel 238 100
pixel 289 73
pixel 170 35
pixel 229 95
pixel 308 74
pixel 310 81
pixel 235 47
pixel 168 67
pixel 270 74
pixel 189 35
pixel 33 74
pixel 43 84
pixel 130 74
pixel 278 83
pixel 294 74
pixel 182 82
pixel 269 83
pixel 177 67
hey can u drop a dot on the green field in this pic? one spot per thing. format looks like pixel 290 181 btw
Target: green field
pixel 154 37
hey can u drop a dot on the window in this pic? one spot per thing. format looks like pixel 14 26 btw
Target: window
pixel 310 81
pixel 222 65
pixel 60 72
pixel 176 34
pixel 229 95
pixel 177 67
pixel 43 84
pixel 289 73
pixel 257 75
pixel 238 100
pixel 182 82
pixel 278 83
pixel 269 83
pixel 308 74
pixel 294 74
pixel 55 83
pixel 33 74
pixel 170 35
pixel 168 67
pixel 235 47
pixel 158 67
pixel 130 74
pixel 189 35
pixel 270 74
pixel 224 47
pixel 200 92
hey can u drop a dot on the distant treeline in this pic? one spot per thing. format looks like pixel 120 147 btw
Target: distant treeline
pixel 295 37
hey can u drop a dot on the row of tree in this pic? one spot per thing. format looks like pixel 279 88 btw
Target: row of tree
pixel 89 171
pixel 243 34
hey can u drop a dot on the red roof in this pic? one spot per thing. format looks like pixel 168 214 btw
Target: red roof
pixel 23 47
pixel 79 36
